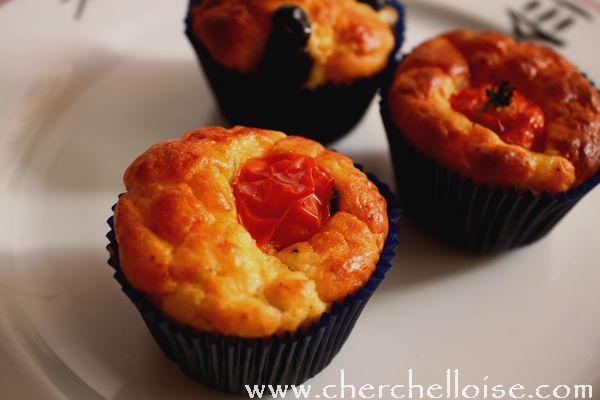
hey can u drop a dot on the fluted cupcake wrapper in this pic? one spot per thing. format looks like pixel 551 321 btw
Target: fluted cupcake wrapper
pixel 229 363
pixel 474 216
pixel 251 99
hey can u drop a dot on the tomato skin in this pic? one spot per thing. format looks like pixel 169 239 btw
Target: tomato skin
pixel 283 198
pixel 520 123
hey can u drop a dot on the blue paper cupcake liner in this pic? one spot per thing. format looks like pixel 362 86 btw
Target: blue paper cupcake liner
pixel 252 99
pixel 229 363
pixel 474 216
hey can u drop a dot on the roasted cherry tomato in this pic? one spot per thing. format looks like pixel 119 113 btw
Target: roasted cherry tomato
pixel 520 123
pixel 283 198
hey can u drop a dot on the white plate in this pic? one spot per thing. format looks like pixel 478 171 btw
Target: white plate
pixel 79 99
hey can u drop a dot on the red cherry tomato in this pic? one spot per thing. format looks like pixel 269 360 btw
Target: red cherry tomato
pixel 282 199
pixel 520 123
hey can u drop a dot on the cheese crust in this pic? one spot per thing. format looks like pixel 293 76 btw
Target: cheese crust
pixel 181 242
pixel 349 40
pixel 426 80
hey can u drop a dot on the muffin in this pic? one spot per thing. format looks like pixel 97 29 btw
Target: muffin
pixel 250 254
pixel 493 140
pixel 300 66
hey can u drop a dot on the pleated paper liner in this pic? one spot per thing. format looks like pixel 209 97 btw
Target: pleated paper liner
pixel 254 99
pixel 474 216
pixel 229 363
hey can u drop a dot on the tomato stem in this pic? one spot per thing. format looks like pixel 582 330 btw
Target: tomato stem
pixel 500 95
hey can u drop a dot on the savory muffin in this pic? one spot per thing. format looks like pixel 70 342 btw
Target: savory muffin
pixel 250 239
pixel 286 64
pixel 502 115
pixel 185 229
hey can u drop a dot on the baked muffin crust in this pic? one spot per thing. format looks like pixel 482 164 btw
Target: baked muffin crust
pixel 349 39
pixel 181 242
pixel 420 104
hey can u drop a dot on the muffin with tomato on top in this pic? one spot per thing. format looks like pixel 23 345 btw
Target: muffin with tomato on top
pixel 493 140
pixel 306 67
pixel 250 254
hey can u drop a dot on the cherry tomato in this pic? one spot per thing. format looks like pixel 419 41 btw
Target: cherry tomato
pixel 283 198
pixel 520 123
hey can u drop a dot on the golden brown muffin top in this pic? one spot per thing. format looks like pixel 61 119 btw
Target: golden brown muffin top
pixel 349 39
pixel 181 241
pixel 565 154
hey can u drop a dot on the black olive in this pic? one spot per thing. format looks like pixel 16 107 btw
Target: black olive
pixel 334 207
pixel 286 59
pixel 377 4
pixel 291 25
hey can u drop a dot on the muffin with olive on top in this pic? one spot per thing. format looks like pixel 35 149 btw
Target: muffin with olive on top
pixel 250 254
pixel 306 67
pixel 493 140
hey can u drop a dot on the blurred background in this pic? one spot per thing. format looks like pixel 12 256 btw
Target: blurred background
pixel 87 85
